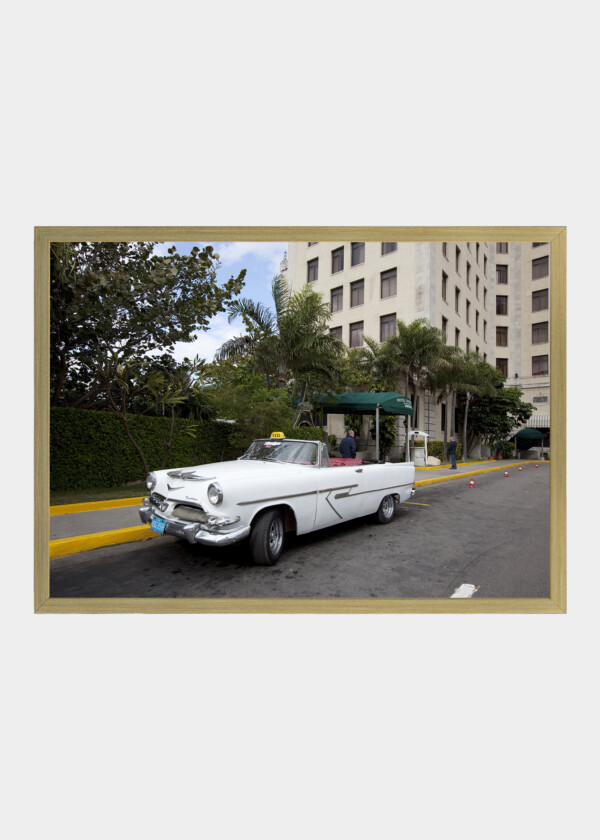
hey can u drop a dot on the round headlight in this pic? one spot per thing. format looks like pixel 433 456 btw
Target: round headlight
pixel 151 481
pixel 215 494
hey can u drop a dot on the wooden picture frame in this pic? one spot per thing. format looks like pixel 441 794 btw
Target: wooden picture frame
pixel 555 603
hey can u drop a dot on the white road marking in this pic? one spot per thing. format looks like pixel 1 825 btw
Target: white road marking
pixel 465 590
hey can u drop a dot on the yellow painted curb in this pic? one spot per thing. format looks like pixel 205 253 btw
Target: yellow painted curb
pixel 84 507
pixel 73 545
pixel 470 473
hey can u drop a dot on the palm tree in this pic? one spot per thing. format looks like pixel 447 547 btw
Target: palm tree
pixel 443 381
pixel 414 352
pixel 292 341
pixel 477 377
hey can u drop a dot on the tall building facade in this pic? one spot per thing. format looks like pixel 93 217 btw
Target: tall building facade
pixel 491 298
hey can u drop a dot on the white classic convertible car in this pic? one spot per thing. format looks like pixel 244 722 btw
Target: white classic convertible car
pixel 279 485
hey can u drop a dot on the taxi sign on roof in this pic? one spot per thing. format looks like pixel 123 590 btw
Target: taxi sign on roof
pixel 277 434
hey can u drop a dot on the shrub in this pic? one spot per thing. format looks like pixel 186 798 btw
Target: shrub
pixel 305 433
pixel 435 448
pixel 90 448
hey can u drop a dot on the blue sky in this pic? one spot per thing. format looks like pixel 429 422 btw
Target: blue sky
pixel 261 261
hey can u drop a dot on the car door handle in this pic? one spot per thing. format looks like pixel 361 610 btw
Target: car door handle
pixel 359 470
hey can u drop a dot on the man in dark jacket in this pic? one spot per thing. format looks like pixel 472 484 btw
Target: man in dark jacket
pixel 452 453
pixel 348 446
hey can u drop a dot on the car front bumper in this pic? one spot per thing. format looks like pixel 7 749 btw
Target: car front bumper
pixel 194 532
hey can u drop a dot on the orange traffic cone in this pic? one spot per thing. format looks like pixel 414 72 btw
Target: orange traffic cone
pixel 471 483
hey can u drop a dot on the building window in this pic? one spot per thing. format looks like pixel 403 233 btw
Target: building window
pixel 388 283
pixel 477 252
pixel 539 366
pixel 502 365
pixel 501 274
pixel 537 244
pixel 357 293
pixel 468 345
pixel 502 247
pixel 312 243
pixel 387 326
pixel 336 331
pixel 468 274
pixel 539 333
pixel 337 260
pixel 540 268
pixel 485 330
pixel 388 247
pixel 539 300
pixel 445 328
pixel 444 285
pixel 477 322
pixel 356 334
pixel 540 399
pixel 337 299
pixel 485 266
pixel 456 337
pixel 358 253
pixel 458 259
pixel 456 298
pixel 312 273
pixel 501 336
pixel 444 250
pixel 468 312
pixel 477 287
pixel 485 298
pixel 501 304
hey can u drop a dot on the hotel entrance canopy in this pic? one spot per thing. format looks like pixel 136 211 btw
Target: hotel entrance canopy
pixel 389 402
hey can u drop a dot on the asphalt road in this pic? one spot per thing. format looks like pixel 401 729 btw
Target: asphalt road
pixel 494 537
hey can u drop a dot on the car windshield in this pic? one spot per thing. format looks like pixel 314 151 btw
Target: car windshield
pixel 283 451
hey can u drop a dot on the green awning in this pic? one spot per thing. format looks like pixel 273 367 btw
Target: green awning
pixel 363 403
pixel 529 434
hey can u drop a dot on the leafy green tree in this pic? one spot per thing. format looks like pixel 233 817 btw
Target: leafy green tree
pixel 495 415
pixel 152 391
pixel 237 391
pixel 113 302
pixel 291 343
pixel 414 352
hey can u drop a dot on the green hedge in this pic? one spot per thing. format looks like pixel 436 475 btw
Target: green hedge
pixel 91 449
pixel 435 448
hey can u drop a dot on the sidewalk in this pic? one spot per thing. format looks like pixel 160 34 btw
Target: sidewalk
pixel 81 530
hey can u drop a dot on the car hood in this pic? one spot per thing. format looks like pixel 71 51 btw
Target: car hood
pixel 193 482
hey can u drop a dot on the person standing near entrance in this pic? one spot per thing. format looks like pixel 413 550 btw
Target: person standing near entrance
pixel 452 453
pixel 348 445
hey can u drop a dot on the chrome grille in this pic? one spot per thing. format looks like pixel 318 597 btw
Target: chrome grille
pixel 189 513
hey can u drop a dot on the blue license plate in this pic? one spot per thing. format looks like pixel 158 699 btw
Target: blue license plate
pixel 158 525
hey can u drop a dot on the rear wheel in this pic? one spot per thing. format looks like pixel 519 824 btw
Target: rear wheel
pixel 385 512
pixel 266 538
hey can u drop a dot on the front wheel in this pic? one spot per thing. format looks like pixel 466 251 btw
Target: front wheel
pixel 266 538
pixel 385 512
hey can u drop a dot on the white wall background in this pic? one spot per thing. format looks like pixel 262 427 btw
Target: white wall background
pixel 305 726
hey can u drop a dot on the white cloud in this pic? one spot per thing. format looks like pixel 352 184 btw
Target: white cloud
pixel 269 252
pixel 207 343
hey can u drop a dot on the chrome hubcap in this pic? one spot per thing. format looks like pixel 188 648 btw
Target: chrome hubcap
pixel 276 536
pixel 388 506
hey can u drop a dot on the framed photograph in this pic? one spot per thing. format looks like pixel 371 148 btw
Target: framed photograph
pixel 300 420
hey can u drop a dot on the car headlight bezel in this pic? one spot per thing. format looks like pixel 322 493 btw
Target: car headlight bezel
pixel 151 481
pixel 214 493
